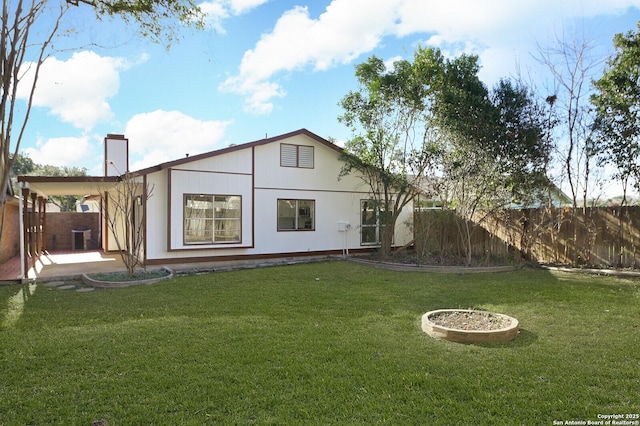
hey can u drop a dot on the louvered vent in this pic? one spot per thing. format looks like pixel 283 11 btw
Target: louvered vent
pixel 296 156
pixel 305 157
pixel 288 155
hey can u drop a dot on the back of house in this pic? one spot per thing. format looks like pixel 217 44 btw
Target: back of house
pixel 276 197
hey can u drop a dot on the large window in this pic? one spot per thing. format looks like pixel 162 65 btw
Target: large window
pixel 212 219
pixel 296 215
pixel 372 222
pixel 296 156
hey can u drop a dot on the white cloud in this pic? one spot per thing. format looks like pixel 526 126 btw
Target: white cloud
pixel 242 6
pixel 350 28
pixel 219 10
pixel 343 32
pixel 161 136
pixel 216 13
pixel 61 151
pixel 390 63
pixel 76 90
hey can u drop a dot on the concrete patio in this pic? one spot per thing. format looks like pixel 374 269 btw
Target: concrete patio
pixel 70 265
pixel 62 265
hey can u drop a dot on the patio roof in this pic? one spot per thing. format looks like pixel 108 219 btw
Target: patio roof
pixel 46 186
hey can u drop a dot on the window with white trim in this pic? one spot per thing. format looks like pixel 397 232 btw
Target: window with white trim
pixel 212 219
pixel 296 215
pixel 296 156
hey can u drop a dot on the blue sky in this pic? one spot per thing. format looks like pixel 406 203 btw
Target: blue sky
pixel 269 67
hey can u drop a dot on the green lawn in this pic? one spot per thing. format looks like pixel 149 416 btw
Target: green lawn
pixel 321 343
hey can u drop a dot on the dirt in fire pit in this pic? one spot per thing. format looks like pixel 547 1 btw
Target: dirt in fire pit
pixel 461 320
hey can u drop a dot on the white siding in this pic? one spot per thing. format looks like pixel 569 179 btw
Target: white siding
pixel 258 177
pixel 157 215
pixel 116 157
pixel 214 183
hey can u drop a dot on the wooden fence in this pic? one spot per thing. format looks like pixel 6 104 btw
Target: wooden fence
pixel 600 237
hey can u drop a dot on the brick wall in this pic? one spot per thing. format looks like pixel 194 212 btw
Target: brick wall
pixel 60 225
pixel 10 241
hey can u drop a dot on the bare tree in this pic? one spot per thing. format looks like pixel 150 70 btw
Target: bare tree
pixel 19 53
pixel 124 216
pixel 28 31
pixel 573 63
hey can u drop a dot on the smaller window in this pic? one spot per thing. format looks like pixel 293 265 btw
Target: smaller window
pixel 296 215
pixel 372 222
pixel 296 156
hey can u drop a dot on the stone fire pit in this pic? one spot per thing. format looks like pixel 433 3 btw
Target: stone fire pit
pixel 469 326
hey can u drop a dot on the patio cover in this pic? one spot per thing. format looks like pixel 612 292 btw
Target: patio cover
pixel 37 189
pixel 45 186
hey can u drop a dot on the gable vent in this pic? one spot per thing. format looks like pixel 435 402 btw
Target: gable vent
pixel 296 156
pixel 288 155
pixel 305 157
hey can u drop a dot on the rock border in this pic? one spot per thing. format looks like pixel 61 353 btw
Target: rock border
pixel 402 267
pixel 121 284
pixel 621 273
pixel 436 331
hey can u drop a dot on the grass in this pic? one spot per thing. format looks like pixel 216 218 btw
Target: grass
pixel 321 343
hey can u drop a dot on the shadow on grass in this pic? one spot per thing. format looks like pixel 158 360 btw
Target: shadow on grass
pixel 524 339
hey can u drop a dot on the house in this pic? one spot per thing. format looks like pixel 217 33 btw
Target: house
pixel 276 197
pixel 9 226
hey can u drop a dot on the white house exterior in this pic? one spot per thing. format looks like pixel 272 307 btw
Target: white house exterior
pixel 279 196
pixel 275 197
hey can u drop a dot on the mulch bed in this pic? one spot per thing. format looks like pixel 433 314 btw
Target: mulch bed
pixel 409 257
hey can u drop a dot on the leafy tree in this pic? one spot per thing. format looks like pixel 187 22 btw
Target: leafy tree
pixel 434 118
pixel 617 100
pixel 66 203
pixel 159 20
pixel 395 138
pixel 24 165
pixel 506 124
pixel 519 144
pixel 494 150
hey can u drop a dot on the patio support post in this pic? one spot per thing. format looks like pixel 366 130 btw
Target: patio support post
pixel 34 224
pixel 44 224
pixel 25 230
pixel 39 244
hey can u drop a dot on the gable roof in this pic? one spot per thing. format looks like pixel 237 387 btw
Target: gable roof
pixel 233 148
pixel 83 185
